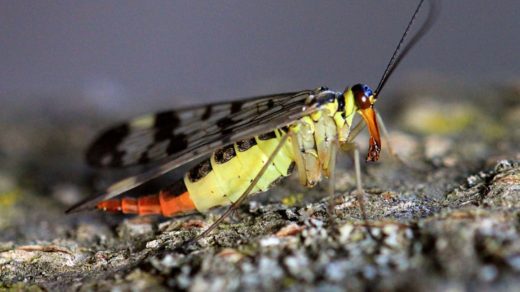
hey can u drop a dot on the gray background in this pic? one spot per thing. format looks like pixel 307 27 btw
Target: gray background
pixel 147 55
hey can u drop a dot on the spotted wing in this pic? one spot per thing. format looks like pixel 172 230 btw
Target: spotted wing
pixel 171 134
pixel 184 135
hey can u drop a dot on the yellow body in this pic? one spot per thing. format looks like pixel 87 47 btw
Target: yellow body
pixel 311 153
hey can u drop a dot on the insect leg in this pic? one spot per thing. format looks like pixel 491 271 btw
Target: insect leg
pixel 242 197
pixel 298 158
pixel 332 180
pixel 355 131
pixel 386 136
pixel 391 151
pixel 360 193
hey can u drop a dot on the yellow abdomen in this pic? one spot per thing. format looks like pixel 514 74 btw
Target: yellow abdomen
pixel 224 177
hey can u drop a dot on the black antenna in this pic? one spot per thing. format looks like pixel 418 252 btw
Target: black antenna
pixel 396 57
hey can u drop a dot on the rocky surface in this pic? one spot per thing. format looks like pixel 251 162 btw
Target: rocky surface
pixel 446 218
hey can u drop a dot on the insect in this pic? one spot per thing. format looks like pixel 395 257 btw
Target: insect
pixel 249 144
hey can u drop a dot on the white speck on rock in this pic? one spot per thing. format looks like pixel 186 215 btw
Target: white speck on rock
pixel 169 261
pixel 270 241
pixel 152 244
pixel 345 231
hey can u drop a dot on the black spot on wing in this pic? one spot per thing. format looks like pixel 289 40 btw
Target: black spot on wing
pixel 200 171
pixel 225 124
pixel 270 104
pixel 236 106
pixel 104 152
pixel 166 119
pixel 224 154
pixel 177 143
pixel 164 124
pixel 207 112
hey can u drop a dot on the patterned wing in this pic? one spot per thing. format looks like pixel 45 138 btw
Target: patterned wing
pixel 171 134
pixel 184 135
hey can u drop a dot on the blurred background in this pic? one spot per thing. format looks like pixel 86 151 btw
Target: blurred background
pixel 138 56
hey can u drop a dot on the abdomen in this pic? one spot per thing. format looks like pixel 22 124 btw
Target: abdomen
pixel 219 180
pixel 223 178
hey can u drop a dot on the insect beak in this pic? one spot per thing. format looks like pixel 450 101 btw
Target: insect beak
pixel 369 115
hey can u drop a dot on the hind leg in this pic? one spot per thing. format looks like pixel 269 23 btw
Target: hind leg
pixel 244 195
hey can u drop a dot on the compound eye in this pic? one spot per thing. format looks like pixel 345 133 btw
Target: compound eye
pixel 362 95
pixel 368 90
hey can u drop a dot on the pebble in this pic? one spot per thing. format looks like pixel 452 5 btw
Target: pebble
pixel 345 231
pixel 336 270
pixel 298 266
pixel 270 241
pixel 269 268
pixel 153 244
pixel 289 230
pixel 135 227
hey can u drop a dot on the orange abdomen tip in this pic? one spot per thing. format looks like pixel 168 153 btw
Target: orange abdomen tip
pixel 169 202
pixel 175 204
pixel 113 206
